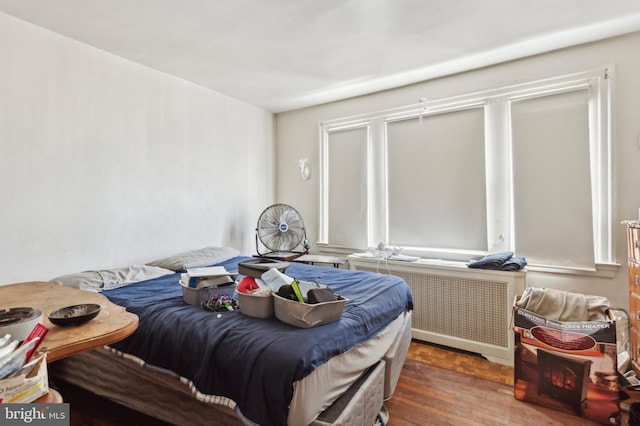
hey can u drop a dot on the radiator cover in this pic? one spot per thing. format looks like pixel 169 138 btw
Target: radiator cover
pixel 457 306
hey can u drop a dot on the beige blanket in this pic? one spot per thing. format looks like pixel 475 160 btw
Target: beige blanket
pixel 562 305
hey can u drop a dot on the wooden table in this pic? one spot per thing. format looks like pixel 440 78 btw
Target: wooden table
pixel 112 324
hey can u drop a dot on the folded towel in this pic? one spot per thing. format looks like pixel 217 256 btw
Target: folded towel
pixel 491 261
pixel 514 264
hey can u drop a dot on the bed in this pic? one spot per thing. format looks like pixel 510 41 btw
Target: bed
pixel 187 365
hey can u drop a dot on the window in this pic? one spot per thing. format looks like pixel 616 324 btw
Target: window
pixel 524 168
pixel 347 155
pixel 548 134
pixel 436 185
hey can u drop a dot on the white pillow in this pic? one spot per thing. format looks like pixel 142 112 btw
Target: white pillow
pixel 107 279
pixel 87 280
pixel 196 258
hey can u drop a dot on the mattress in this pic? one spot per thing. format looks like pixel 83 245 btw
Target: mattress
pixel 321 398
pixel 360 404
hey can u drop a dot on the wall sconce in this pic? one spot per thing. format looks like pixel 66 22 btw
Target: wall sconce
pixel 305 168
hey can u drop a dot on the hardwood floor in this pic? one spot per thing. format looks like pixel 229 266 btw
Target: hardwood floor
pixel 441 386
pixel 438 386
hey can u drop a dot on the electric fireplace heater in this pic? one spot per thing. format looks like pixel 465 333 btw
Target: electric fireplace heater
pixel 564 378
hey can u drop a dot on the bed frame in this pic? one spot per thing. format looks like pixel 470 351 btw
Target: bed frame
pixel 163 395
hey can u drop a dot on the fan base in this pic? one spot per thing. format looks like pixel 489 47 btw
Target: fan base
pixel 281 255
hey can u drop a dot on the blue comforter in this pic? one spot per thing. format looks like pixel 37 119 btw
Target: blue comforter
pixel 254 361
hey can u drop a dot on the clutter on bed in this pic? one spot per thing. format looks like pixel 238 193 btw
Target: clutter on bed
pixel 502 261
pixel 566 354
pixel 269 291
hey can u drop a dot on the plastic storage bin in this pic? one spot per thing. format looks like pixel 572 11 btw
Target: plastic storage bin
pixel 256 306
pixel 195 296
pixel 306 315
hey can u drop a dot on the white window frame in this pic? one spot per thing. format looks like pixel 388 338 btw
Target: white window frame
pixel 498 144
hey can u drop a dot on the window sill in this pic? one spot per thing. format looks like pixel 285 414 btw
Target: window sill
pixel 600 270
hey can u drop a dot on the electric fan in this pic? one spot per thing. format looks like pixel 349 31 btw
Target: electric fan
pixel 281 229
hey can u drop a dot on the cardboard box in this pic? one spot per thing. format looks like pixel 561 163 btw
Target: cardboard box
pixel 567 366
pixel 24 389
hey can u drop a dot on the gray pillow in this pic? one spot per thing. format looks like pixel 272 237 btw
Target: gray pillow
pixel 206 256
pixel 107 279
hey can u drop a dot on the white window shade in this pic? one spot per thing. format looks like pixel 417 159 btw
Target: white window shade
pixel 437 181
pixel 347 194
pixel 553 216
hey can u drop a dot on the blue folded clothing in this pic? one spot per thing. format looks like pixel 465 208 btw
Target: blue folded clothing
pixel 514 264
pixel 491 261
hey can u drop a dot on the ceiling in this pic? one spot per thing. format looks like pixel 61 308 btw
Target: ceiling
pixel 285 54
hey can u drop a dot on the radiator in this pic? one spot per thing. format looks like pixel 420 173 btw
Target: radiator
pixel 457 306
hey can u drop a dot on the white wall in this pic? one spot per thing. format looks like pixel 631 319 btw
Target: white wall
pixel 297 137
pixel 106 163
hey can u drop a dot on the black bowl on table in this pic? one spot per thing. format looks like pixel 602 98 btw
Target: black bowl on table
pixel 74 315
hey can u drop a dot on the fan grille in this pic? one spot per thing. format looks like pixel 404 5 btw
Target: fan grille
pixel 280 228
